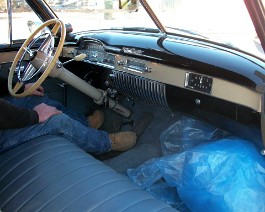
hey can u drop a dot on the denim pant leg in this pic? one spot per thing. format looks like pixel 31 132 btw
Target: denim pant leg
pixel 32 101
pixel 89 139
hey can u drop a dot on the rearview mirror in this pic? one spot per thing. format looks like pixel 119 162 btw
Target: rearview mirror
pixel 130 5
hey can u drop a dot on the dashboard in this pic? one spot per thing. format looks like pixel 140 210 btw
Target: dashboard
pixel 127 64
pixel 210 82
pixel 96 54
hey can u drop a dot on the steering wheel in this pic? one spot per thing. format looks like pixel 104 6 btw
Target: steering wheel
pixel 42 60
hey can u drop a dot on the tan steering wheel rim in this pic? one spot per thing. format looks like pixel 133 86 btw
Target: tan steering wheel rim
pixel 58 24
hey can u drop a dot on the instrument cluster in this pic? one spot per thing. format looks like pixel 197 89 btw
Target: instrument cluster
pixel 96 54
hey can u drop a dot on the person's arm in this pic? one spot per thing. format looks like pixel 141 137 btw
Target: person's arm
pixel 16 117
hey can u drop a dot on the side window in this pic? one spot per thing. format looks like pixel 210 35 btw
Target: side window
pixel 3 22
pixel 23 21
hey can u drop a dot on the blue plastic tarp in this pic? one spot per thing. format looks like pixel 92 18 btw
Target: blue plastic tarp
pixel 224 175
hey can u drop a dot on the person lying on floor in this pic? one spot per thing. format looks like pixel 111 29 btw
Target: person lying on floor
pixel 23 119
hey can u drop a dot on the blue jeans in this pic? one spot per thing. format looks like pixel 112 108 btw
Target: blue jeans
pixel 69 124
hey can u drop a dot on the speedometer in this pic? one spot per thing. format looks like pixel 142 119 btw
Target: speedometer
pixel 95 53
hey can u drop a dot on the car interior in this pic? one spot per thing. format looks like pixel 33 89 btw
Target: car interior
pixel 144 82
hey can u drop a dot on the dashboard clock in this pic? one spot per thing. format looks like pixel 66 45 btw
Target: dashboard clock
pixel 199 82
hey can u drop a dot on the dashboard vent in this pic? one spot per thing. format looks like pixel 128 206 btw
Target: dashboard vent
pixel 141 88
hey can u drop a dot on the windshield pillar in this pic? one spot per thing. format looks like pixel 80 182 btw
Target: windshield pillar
pixel 257 14
pixel 153 16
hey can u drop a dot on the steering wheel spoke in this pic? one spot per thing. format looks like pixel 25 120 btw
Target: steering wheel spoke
pixel 17 87
pixel 28 50
pixel 42 60
pixel 29 72
pixel 55 29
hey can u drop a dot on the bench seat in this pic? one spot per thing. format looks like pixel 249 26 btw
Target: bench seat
pixel 52 174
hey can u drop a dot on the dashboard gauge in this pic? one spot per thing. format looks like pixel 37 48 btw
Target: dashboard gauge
pixel 96 54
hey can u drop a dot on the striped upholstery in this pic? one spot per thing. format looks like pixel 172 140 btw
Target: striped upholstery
pixel 52 174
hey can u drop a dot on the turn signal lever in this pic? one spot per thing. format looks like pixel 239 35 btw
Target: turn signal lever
pixel 76 58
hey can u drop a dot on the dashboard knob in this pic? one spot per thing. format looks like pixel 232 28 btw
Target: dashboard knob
pixel 197 102
pixel 120 62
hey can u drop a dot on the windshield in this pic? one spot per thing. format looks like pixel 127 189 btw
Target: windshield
pixel 222 21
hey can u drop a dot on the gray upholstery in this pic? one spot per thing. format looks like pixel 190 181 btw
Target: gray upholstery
pixel 52 174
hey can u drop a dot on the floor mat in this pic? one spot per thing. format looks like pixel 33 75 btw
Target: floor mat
pixel 144 121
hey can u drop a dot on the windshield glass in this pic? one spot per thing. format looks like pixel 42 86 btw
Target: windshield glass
pixel 222 21
pixel 99 14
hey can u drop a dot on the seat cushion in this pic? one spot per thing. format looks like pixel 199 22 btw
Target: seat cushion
pixel 52 174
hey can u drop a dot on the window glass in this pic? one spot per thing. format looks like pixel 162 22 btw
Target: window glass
pixel 222 21
pixel 24 21
pixel 98 14
pixel 3 22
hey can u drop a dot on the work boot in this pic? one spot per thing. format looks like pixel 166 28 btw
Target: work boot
pixel 96 119
pixel 122 141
